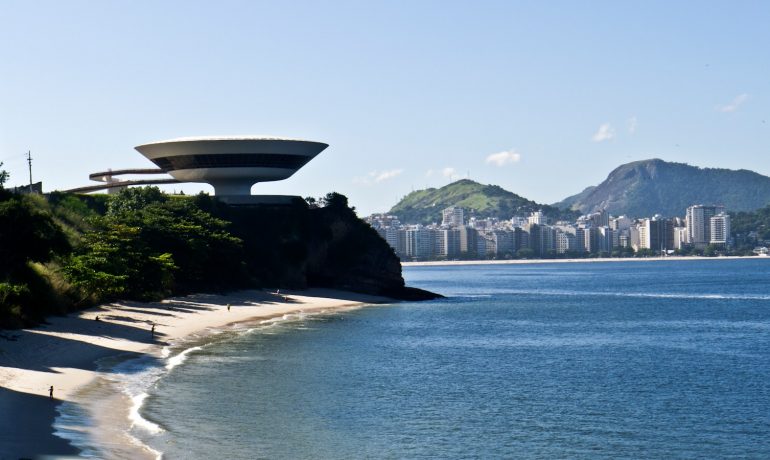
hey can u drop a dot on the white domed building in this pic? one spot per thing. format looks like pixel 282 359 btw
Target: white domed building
pixel 231 164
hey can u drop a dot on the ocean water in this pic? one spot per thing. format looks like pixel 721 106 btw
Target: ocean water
pixel 581 360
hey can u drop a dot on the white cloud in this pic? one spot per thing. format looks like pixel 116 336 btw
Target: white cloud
pixel 448 172
pixel 734 104
pixel 503 158
pixel 632 123
pixel 604 133
pixel 385 175
pixel 376 177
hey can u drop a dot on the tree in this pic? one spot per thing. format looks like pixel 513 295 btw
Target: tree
pixel 712 250
pixel 525 253
pixel 134 199
pixel 27 234
pixel 201 245
pixel 4 175
pixel 114 260
pixel 335 200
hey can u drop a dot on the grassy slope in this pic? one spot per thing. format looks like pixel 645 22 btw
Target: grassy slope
pixel 425 206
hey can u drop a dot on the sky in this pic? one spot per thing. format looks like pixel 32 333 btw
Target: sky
pixel 541 98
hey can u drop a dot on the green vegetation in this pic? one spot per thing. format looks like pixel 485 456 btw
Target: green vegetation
pixel 750 229
pixel 4 176
pixel 758 222
pixel 645 188
pixel 64 252
pixel 481 201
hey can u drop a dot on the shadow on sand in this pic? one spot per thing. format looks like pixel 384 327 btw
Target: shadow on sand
pixel 23 438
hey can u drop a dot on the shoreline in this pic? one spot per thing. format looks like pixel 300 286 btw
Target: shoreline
pixel 560 261
pixel 66 352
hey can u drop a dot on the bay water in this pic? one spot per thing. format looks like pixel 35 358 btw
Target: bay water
pixel 655 359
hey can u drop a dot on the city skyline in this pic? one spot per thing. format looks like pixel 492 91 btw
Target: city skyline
pixel 705 229
pixel 543 100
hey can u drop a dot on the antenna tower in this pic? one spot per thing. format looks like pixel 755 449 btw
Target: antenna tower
pixel 29 161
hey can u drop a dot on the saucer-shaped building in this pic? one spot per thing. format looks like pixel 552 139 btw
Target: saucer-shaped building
pixel 231 164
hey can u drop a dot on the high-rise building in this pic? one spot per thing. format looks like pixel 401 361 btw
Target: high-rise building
pixel 503 241
pixel 599 218
pixel 468 237
pixel 580 239
pixel 486 245
pixel 605 239
pixel 447 242
pixel 537 217
pixel 720 229
pixel 680 237
pixel 656 234
pixel 634 237
pixel 565 241
pixel 452 217
pixel 699 223
pixel 419 243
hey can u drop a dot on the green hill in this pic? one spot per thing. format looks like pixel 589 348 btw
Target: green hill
pixel 479 200
pixel 648 187
pixel 62 252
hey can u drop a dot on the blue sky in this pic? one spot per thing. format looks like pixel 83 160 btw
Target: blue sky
pixel 541 98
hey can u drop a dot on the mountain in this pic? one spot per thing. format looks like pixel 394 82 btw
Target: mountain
pixel 425 206
pixel 648 187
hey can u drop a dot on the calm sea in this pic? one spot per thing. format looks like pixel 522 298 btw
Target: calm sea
pixel 581 360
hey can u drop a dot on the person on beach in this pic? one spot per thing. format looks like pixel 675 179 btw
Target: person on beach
pixel 152 331
pixel 228 307
pixel 50 392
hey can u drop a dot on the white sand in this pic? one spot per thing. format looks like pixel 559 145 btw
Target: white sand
pixel 63 352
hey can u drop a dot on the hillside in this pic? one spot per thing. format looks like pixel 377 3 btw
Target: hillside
pixel 425 206
pixel 63 252
pixel 648 187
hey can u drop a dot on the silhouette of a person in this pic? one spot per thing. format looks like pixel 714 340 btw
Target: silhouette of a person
pixel 50 392
pixel 228 307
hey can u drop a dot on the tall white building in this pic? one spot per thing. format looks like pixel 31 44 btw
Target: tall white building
pixel 720 229
pixel 452 216
pixel 680 237
pixel 537 217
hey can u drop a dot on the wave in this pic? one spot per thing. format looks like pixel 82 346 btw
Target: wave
pixel 178 359
pixel 137 419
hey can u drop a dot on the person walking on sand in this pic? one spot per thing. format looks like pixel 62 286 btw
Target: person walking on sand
pixel 50 392
pixel 228 307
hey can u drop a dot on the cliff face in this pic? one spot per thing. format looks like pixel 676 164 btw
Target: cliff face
pixel 300 246
pixel 648 187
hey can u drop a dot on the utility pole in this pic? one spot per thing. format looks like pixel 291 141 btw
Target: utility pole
pixel 29 160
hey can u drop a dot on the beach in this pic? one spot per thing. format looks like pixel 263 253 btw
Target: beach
pixel 558 261
pixel 64 353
